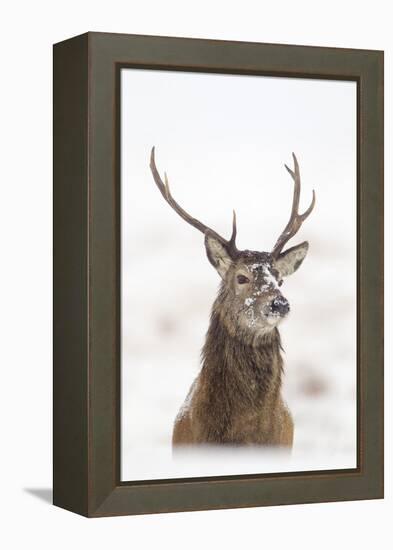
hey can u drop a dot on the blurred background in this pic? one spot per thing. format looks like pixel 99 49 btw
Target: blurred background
pixel 223 140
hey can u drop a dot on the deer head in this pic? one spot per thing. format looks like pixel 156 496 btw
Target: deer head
pixel 250 297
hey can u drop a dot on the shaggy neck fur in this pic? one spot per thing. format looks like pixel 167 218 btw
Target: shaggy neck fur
pixel 240 373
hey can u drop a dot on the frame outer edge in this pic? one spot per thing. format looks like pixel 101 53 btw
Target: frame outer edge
pixel 70 253
pixel 372 267
pixel 104 496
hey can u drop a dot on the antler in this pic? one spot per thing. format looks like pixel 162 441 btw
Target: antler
pixel 165 192
pixel 296 219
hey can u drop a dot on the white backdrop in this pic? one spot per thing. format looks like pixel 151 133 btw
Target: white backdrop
pixel 223 140
pixel 29 29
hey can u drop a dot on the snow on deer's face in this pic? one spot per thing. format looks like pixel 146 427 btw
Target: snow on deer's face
pixel 251 297
pixel 254 289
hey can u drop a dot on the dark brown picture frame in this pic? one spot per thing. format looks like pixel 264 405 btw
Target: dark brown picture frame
pixel 86 414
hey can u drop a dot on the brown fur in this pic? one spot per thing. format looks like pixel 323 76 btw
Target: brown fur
pixel 236 399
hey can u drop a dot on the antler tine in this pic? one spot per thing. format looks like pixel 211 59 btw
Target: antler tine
pixel 296 219
pixel 296 178
pixel 163 186
pixel 232 240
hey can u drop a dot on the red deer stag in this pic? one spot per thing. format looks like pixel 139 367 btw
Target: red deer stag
pixel 236 398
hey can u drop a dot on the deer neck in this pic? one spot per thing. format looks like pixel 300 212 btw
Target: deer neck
pixel 244 368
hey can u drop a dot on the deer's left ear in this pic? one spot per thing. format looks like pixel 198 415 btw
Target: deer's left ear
pixel 290 260
pixel 217 254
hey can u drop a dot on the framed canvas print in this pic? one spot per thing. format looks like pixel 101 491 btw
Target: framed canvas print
pixel 218 274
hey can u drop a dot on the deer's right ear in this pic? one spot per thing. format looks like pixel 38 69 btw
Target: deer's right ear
pixel 217 254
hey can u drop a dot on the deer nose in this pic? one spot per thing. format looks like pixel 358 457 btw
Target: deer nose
pixel 280 305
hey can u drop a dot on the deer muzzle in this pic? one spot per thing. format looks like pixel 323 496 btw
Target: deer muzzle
pixel 279 306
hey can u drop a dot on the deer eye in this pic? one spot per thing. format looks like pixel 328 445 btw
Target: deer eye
pixel 242 279
pixel 280 282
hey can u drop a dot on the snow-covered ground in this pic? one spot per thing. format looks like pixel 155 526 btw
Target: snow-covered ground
pixel 223 141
